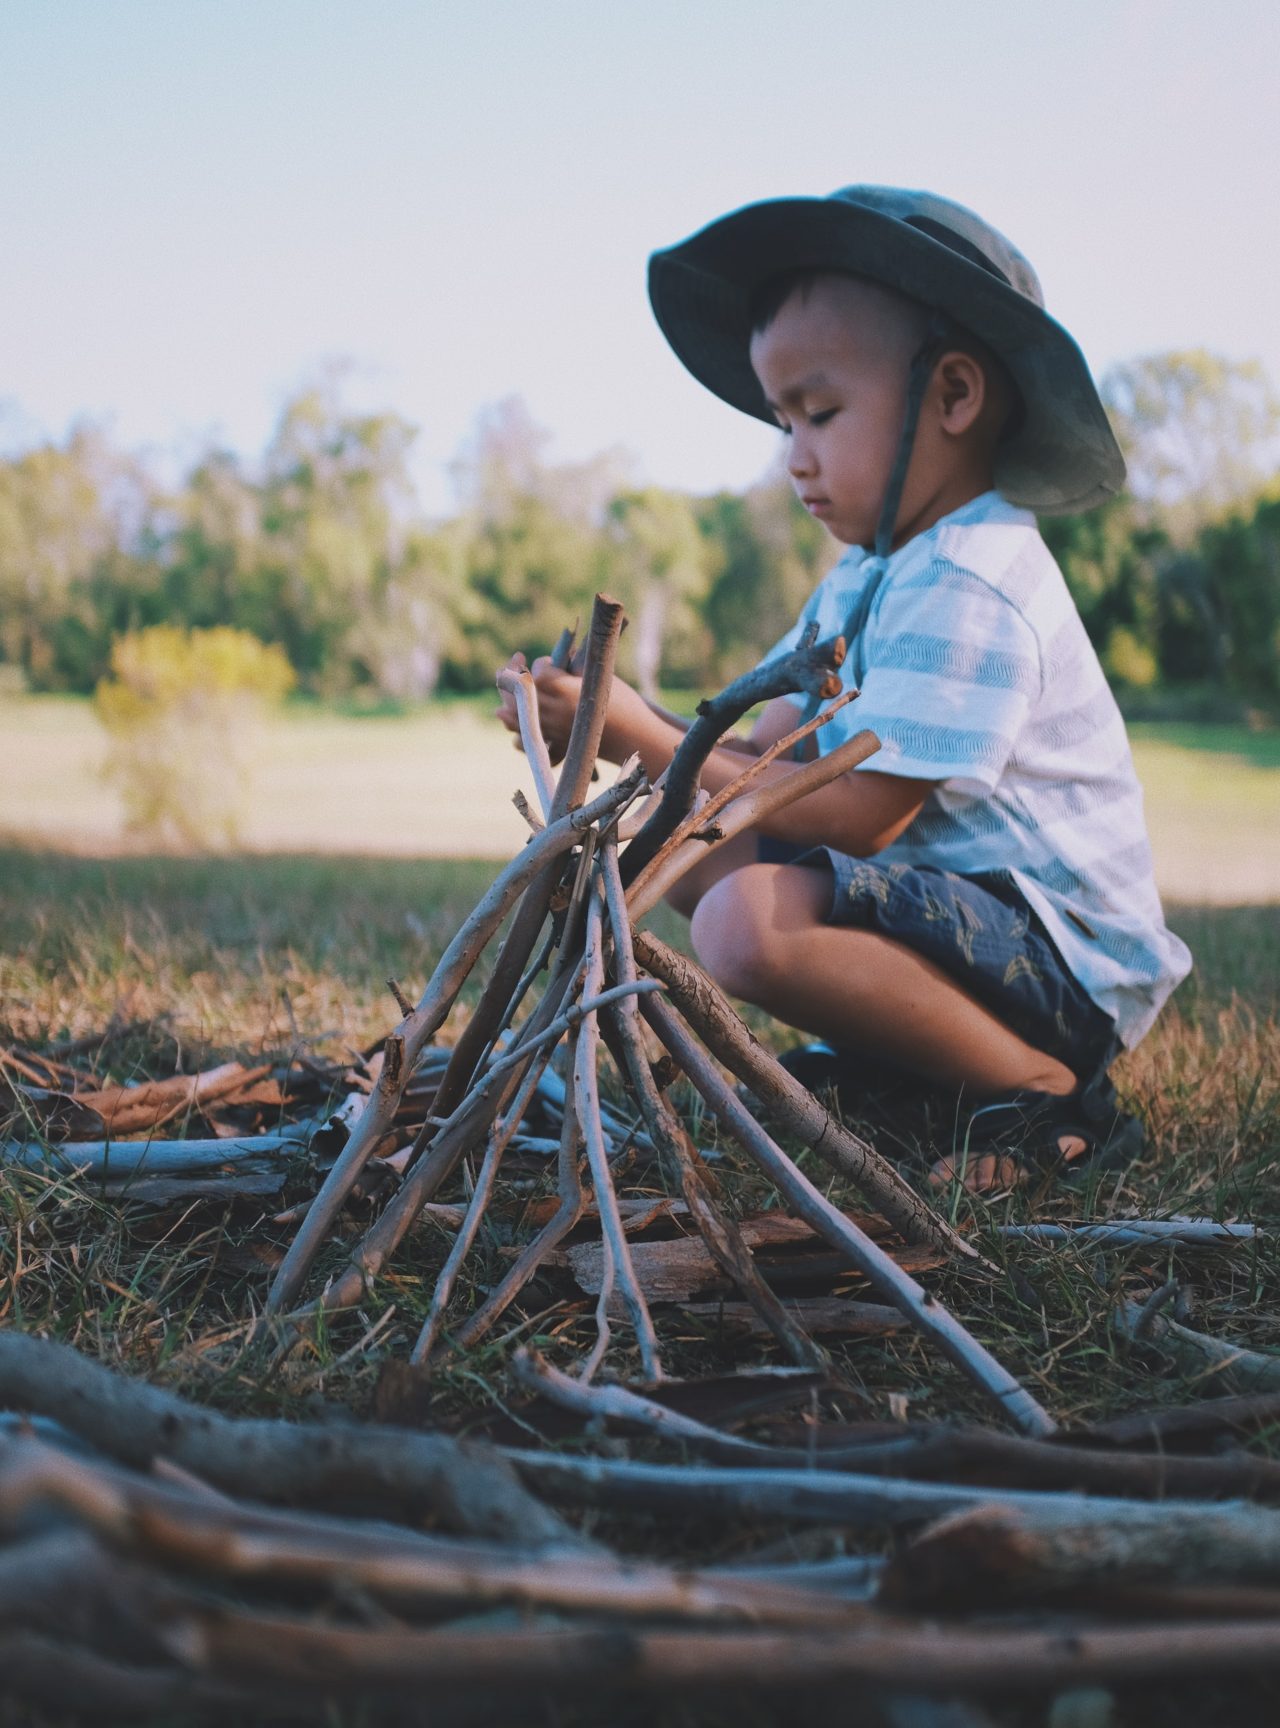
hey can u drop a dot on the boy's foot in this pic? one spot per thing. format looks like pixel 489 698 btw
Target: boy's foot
pixel 1001 1144
pixel 1022 1135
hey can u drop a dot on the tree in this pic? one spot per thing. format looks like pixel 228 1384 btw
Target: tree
pixel 180 708
pixel 1201 434
pixel 532 531
pixel 336 505
pixel 75 528
pixel 767 556
pixel 659 565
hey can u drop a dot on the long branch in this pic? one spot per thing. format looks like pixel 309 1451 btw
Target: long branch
pixel 719 1232
pixel 704 810
pixel 754 806
pixel 407 1041
pixel 810 668
pixel 461 1134
pixel 571 788
pixel 567 1213
pixel 617 1253
pixel 465 1484
pixel 517 682
pixel 924 1310
pixel 726 1035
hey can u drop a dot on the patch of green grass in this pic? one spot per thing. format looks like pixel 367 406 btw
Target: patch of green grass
pixel 436 781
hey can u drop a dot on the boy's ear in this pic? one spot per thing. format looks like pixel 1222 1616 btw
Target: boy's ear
pixel 961 387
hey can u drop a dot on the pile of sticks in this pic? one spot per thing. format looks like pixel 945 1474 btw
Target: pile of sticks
pixel 574 894
pixel 156 1557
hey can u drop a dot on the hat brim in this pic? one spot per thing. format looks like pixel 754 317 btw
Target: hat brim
pixel 1063 456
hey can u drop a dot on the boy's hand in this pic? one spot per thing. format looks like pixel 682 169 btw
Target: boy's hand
pixel 627 722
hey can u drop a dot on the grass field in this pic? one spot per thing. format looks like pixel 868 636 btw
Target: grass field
pixel 288 949
pixel 438 784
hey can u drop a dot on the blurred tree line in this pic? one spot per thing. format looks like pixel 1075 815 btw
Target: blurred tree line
pixel 320 548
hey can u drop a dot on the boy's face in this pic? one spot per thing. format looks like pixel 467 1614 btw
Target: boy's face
pixel 833 365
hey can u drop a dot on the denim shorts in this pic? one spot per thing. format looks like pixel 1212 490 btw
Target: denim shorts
pixel 981 932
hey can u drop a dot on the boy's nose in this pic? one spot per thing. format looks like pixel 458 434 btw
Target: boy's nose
pixel 799 456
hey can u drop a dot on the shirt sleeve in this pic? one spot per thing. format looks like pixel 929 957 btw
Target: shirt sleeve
pixel 951 669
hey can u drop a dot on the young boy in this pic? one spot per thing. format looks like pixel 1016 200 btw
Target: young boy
pixel 974 908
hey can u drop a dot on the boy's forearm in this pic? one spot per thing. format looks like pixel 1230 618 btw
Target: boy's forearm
pixel 860 812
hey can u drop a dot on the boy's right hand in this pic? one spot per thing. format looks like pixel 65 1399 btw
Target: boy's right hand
pixel 626 725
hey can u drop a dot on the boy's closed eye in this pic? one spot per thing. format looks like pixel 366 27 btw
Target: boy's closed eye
pixel 818 418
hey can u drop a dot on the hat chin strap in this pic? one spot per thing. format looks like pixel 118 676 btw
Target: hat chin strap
pixel 923 362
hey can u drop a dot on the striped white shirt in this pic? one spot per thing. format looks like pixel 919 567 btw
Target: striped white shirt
pixel 976 672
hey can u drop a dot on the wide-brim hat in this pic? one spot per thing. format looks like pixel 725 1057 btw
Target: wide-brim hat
pixel 1063 454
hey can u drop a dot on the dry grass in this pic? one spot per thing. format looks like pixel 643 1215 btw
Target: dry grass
pixel 214 957
pixel 217 957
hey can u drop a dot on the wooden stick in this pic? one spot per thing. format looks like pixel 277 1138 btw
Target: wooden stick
pixel 228 1540
pixel 819 1496
pixel 617 1254
pixel 807 668
pixel 713 1017
pixel 499 1140
pixel 111 1158
pixel 575 778
pixel 518 683
pixel 566 1215
pixel 1171 1424
pixel 752 808
pixel 407 1041
pixel 617 1662
pixel 461 1134
pixel 1133 1232
pixel 943 1452
pixel 57 1674
pixel 466 1485
pixel 719 1232
pixel 1239 1369
pixel 705 809
pixel 1050 1547
pixel 619 1404
pixel 924 1310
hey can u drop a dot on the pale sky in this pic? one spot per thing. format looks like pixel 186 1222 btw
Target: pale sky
pixel 203 201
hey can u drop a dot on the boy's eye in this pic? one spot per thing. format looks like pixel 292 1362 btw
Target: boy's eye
pixel 821 417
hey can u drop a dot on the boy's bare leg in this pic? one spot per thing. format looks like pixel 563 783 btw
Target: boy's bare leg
pixel 760 933
pixel 734 855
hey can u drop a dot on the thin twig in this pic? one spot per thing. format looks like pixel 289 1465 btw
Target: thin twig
pixel 924 1310
pixel 754 806
pixel 811 668
pixel 518 683
pixel 721 1028
pixel 617 1254
pixel 499 1139
pixel 722 1237
pixel 1232 1366
pixel 461 1133
pixel 493 1008
pixel 409 1038
pixel 707 808
pixel 566 1215
pixel 620 1404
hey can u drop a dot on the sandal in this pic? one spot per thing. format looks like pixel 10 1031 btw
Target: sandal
pixel 1027 1127
pixel 1031 1127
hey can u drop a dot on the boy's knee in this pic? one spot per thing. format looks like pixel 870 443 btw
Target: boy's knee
pixel 730 938
pixel 743 926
